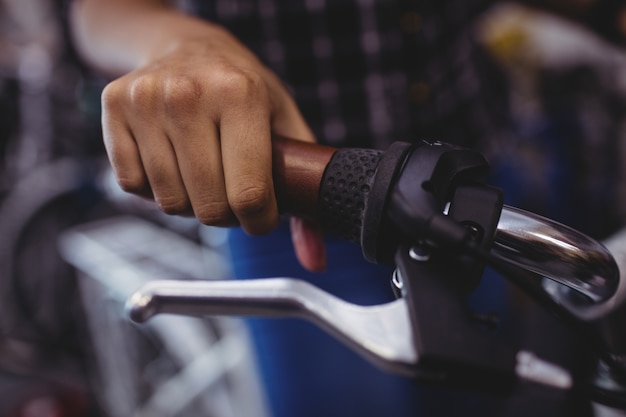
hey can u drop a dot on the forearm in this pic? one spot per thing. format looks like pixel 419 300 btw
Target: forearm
pixel 117 36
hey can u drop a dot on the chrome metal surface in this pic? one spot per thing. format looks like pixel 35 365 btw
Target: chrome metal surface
pixel 535 369
pixel 558 252
pixel 612 313
pixel 419 254
pixel 396 280
pixel 382 333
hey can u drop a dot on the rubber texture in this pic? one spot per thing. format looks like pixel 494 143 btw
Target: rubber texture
pixel 345 191
pixel 376 234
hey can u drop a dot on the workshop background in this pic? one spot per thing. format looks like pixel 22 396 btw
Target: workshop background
pixel 73 247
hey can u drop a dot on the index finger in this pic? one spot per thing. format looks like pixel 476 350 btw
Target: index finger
pixel 245 136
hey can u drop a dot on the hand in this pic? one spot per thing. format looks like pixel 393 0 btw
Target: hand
pixel 192 129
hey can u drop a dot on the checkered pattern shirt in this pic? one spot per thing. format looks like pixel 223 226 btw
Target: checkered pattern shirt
pixel 368 72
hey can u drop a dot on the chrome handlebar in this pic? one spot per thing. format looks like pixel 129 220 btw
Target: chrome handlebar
pixel 558 252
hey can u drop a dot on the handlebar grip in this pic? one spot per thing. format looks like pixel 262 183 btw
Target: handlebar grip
pixel 344 190
pixel 297 169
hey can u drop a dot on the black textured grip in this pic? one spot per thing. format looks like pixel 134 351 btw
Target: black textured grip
pixel 345 190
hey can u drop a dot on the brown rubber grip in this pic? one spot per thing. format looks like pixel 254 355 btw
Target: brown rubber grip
pixel 298 168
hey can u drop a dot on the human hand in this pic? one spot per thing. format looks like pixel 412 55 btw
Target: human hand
pixel 192 129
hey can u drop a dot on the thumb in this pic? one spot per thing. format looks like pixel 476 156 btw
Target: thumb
pixel 308 243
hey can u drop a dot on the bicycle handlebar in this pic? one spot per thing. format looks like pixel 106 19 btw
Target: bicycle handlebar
pixel 347 191
pixel 405 197
pixel 373 198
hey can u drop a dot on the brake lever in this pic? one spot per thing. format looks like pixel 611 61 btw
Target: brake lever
pixel 403 336
pixel 382 333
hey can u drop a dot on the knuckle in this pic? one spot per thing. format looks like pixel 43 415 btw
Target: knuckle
pixel 183 93
pixel 134 184
pixel 250 201
pixel 213 214
pixel 137 91
pixel 236 84
pixel 171 204
pixel 144 89
pixel 111 96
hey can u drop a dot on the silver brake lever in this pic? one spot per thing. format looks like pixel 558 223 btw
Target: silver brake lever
pixel 382 333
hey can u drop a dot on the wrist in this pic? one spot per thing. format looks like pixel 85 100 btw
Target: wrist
pixel 185 34
pixel 198 39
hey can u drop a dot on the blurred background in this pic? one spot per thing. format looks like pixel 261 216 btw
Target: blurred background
pixel 72 247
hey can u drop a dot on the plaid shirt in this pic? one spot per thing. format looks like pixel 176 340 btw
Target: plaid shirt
pixel 366 72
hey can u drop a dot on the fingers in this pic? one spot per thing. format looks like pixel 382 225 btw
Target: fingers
pixel 247 157
pixel 162 169
pixel 197 138
pixel 122 149
pixel 220 132
pixel 148 166
pixel 195 145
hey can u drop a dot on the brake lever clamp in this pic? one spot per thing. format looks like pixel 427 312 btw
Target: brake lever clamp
pixel 378 199
pixel 440 203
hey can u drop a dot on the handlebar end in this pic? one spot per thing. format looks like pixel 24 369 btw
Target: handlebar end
pixel 141 306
